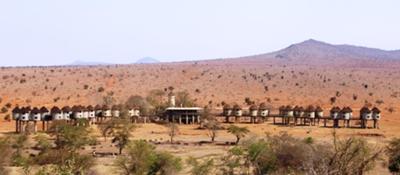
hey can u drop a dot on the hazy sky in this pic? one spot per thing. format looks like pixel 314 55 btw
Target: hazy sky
pixel 49 32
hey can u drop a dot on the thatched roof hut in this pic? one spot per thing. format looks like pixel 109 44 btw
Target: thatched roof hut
pixel 16 110
pixel 310 109
pixel 253 107
pixel 263 106
pixel 44 110
pixel 35 110
pixel 98 107
pixel 66 109
pixel 376 114
pixel 55 110
pixel 90 108
pixel 237 107
pixel 76 108
pixel 376 110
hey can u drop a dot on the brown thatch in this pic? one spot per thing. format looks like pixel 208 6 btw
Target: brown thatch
pixel 90 108
pixel 289 108
pixel 253 107
pixel 346 110
pixel 98 107
pixel 43 109
pixel 365 109
pixel 227 107
pixel 66 109
pixel 16 110
pixel 335 109
pixel 105 107
pixel 310 108
pixel 35 110
pixel 25 110
pixel 319 109
pixel 263 106
pixel 376 110
pixel 237 107
pixel 55 109
pixel 76 108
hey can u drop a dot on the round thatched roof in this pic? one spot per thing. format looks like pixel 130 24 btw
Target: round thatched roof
pixel 55 109
pixel 227 107
pixel 335 109
pixel 26 109
pixel 98 107
pixel 365 109
pixel 237 107
pixel 90 108
pixel 310 108
pixel 263 106
pixel 35 110
pixel 376 110
pixel 76 108
pixel 253 107
pixel 16 110
pixel 319 109
pixel 105 107
pixel 43 109
pixel 289 108
pixel 346 110
pixel 66 109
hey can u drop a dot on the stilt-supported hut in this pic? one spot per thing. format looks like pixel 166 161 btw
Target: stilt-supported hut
pixel 376 116
pixel 264 111
pixel 227 112
pixel 16 115
pixel 237 110
pixel 335 115
pixel 253 113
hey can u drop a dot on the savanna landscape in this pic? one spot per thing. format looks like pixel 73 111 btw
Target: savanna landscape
pixel 307 73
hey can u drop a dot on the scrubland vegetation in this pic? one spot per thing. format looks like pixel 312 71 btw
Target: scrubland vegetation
pixel 62 151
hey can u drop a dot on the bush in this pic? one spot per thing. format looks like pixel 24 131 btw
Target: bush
pixel 284 154
pixel 393 152
pixel 142 158
pixel 200 167
pixel 101 89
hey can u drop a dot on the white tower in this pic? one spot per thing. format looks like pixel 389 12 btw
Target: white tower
pixel 172 100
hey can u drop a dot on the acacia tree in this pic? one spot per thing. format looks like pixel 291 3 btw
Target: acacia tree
pixel 65 156
pixel 107 128
pixel 155 99
pixel 239 132
pixel 212 127
pixel 122 135
pixel 183 98
pixel 121 128
pixel 173 131
pixel 142 158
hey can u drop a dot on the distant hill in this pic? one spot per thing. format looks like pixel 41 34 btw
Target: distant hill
pixel 147 60
pixel 313 52
pixel 318 49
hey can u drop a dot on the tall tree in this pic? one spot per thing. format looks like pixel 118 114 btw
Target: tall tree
pixel 173 131
pixel 239 132
pixel 212 127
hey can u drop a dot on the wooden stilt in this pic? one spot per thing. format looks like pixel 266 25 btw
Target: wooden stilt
pixel 17 126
